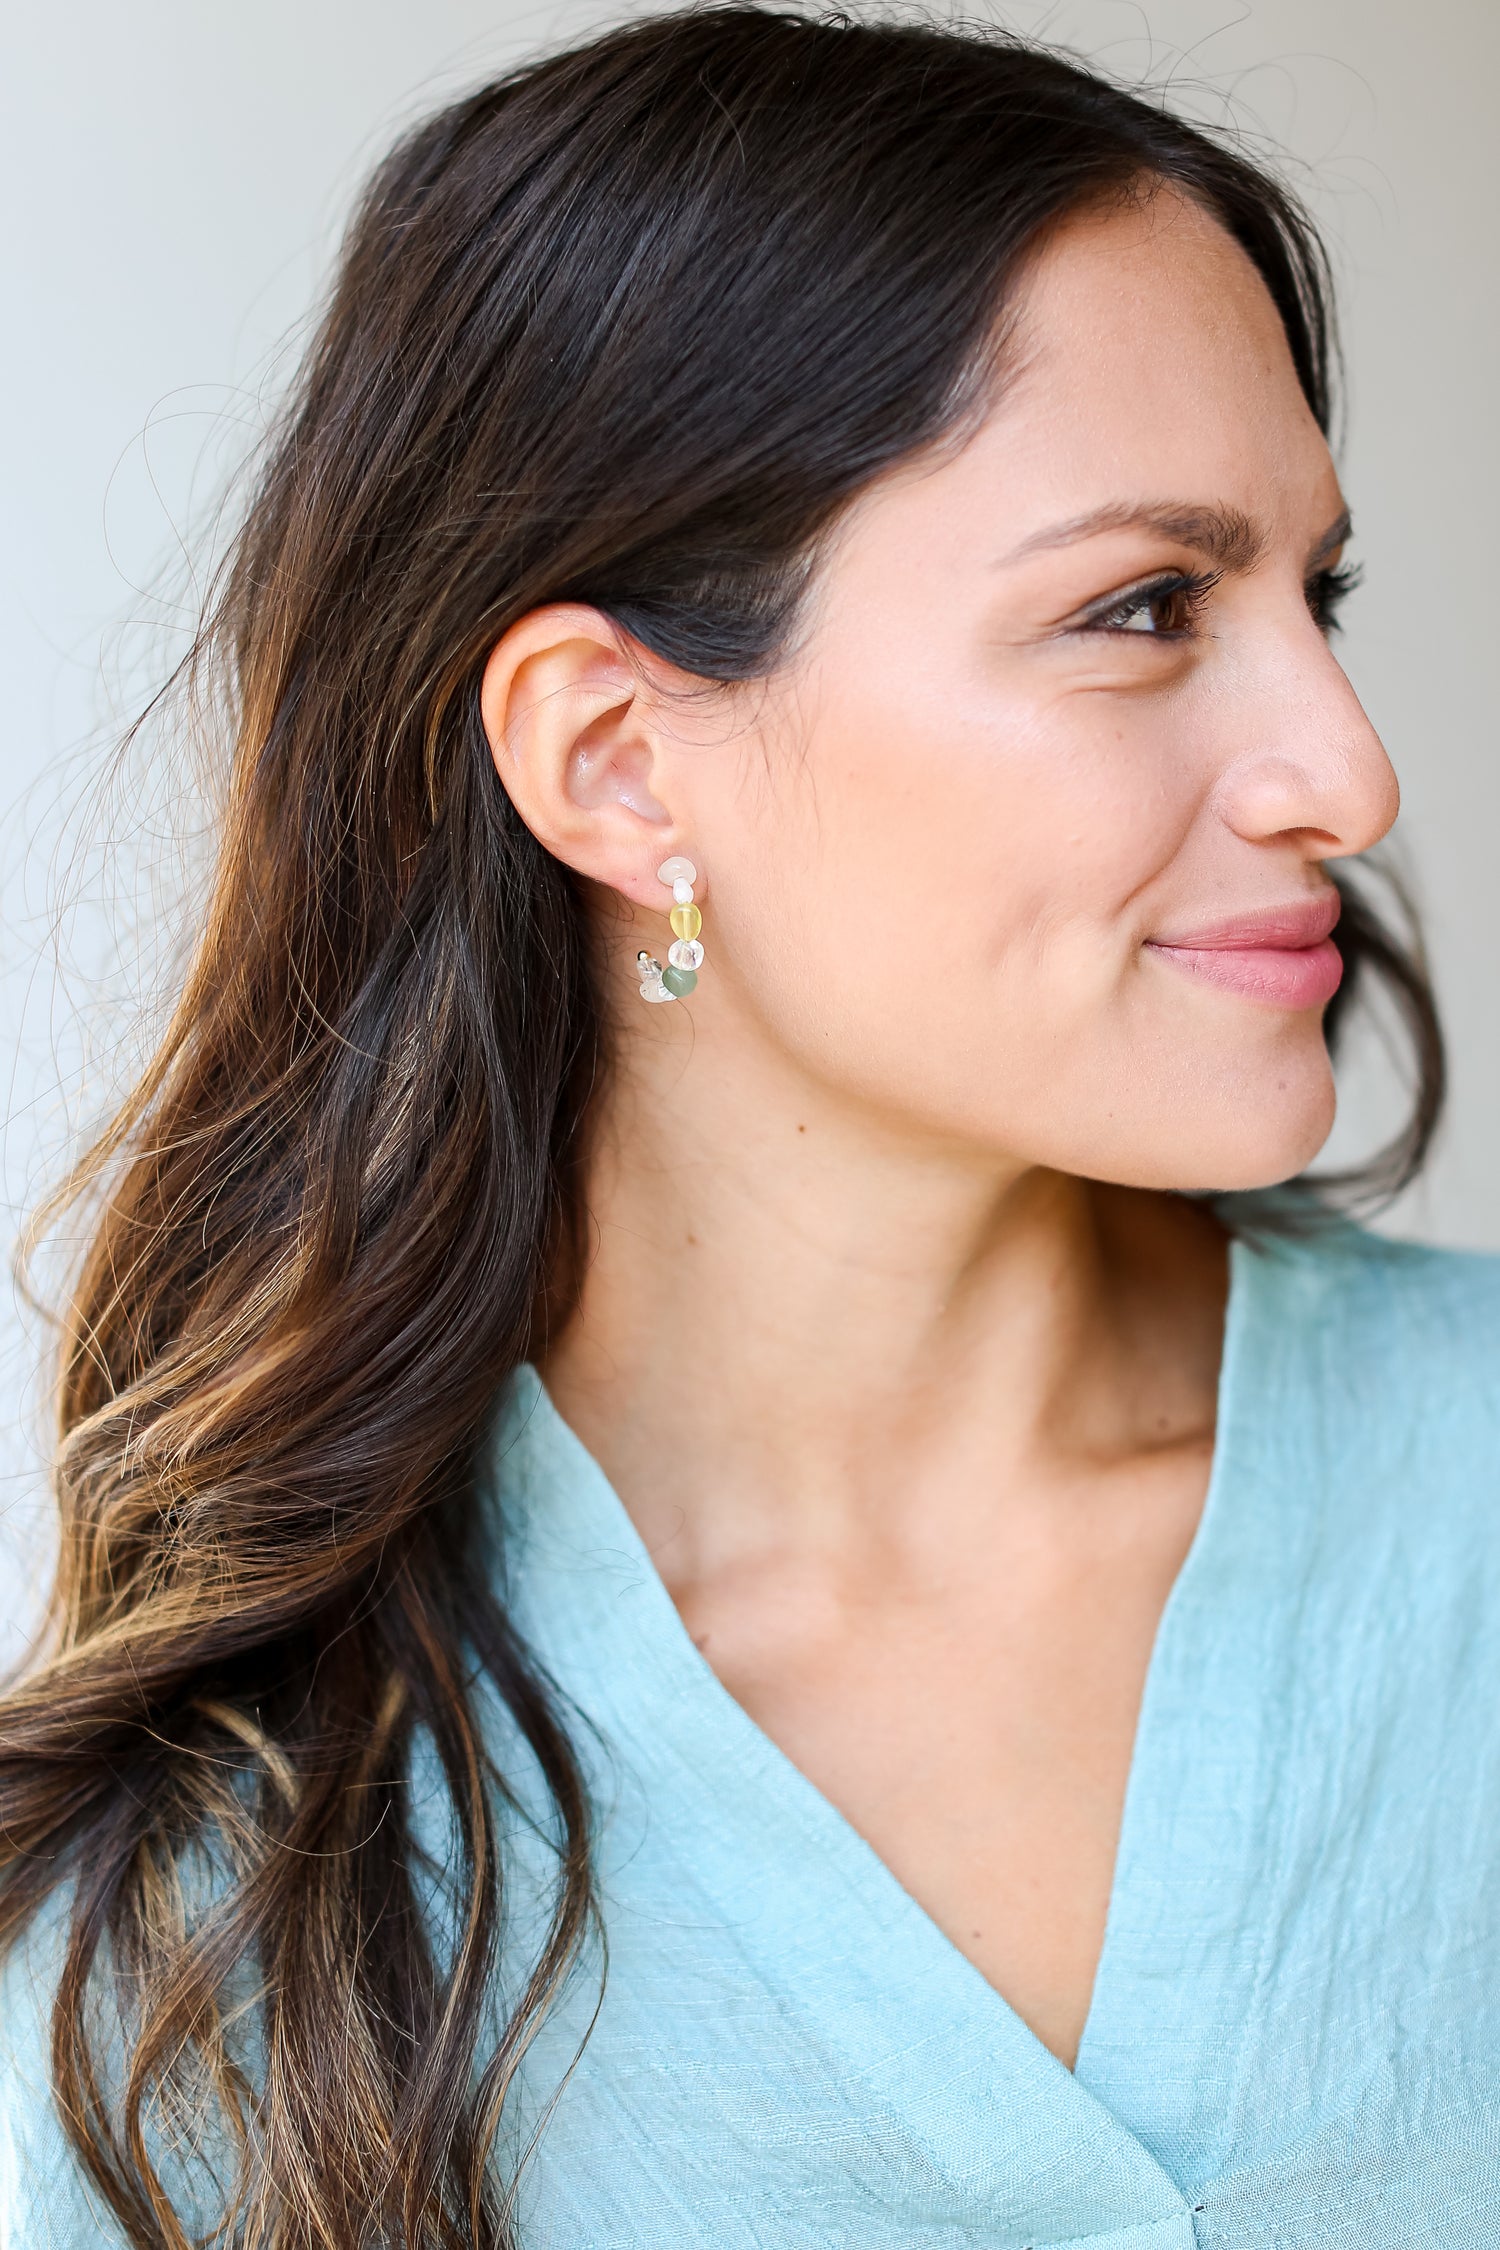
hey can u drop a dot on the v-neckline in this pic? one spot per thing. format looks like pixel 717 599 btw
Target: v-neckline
pixel 612 1638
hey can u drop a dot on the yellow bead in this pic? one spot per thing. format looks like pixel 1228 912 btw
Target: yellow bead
pixel 686 921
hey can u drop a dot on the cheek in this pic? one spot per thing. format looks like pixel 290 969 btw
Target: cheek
pixel 939 906
pixel 953 876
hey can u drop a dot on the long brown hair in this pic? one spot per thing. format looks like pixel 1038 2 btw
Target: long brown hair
pixel 631 326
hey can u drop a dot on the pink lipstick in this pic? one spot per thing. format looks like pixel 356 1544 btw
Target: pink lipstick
pixel 1283 956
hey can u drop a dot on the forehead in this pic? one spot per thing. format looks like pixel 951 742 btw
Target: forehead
pixel 1147 354
pixel 1144 366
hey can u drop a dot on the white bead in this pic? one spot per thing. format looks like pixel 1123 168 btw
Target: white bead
pixel 682 892
pixel 677 870
pixel 652 988
pixel 686 953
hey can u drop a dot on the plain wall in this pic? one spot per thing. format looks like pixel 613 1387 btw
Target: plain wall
pixel 176 175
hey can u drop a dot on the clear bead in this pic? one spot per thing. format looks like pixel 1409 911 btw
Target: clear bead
pixel 682 892
pixel 687 953
pixel 677 870
pixel 652 988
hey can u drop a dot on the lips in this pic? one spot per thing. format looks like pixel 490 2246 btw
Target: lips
pixel 1282 955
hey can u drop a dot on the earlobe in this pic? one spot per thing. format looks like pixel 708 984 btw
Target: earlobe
pixel 568 718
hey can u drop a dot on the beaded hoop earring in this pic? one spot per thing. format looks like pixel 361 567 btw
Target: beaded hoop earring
pixel 685 955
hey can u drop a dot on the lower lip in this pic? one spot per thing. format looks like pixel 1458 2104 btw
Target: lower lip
pixel 1279 976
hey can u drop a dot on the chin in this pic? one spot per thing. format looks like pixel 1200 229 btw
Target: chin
pixel 1261 1141
pixel 1207 1130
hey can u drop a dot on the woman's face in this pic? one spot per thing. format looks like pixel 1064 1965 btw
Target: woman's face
pixel 1027 842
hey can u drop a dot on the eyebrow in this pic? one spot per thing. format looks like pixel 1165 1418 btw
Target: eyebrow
pixel 1338 534
pixel 1226 537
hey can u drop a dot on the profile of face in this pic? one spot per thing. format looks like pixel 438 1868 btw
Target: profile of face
pixel 1025 844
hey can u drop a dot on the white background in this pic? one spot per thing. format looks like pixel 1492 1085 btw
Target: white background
pixel 176 175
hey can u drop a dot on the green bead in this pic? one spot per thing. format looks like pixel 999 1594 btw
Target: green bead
pixel 679 981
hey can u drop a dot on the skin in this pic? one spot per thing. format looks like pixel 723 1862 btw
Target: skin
pixel 895 1343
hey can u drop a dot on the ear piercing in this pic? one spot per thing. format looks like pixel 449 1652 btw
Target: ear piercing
pixel 685 955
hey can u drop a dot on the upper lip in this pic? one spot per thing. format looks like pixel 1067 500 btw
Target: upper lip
pixel 1290 927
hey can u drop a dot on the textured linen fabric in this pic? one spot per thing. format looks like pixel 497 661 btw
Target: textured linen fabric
pixel 1294 2038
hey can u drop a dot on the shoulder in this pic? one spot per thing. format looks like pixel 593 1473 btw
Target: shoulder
pixel 1405 1325
pixel 1367 1387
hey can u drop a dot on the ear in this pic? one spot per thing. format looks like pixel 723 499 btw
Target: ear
pixel 570 716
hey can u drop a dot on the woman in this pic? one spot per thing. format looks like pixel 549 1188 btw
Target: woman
pixel 719 1586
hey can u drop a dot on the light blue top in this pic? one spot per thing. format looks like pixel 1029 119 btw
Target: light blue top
pixel 1295 2032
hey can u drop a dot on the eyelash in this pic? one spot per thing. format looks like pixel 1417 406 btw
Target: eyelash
pixel 1325 591
pixel 1328 589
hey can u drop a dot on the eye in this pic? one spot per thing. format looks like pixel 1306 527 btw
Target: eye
pixel 1327 590
pixel 1161 608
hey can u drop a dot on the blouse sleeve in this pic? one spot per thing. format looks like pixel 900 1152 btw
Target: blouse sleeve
pixel 47 2201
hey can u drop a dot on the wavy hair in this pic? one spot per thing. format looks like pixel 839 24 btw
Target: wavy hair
pixel 631 326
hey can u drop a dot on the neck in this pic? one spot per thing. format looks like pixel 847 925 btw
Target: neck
pixel 803 1315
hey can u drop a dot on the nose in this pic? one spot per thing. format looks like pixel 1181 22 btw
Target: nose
pixel 1318 775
